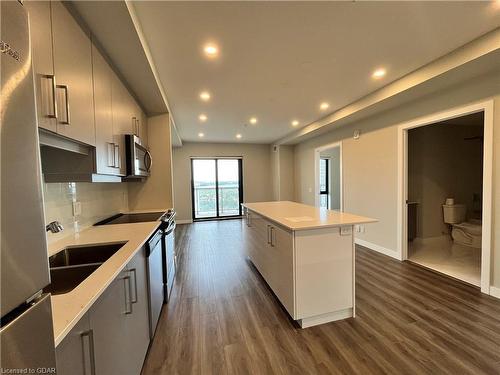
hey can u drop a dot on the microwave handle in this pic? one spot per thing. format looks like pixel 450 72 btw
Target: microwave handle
pixel 148 160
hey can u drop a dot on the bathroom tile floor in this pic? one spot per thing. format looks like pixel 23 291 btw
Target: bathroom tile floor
pixel 442 255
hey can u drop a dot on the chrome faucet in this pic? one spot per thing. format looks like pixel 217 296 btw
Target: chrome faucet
pixel 54 227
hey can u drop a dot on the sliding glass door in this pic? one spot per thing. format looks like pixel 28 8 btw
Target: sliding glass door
pixel 216 187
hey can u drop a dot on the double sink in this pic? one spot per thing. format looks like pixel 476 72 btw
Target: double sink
pixel 70 266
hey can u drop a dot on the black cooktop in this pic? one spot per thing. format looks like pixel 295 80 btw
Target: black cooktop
pixel 131 218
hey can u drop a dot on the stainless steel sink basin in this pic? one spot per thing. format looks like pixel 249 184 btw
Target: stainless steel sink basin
pixel 76 255
pixel 72 265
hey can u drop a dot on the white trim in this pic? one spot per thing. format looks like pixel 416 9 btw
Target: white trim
pixel 317 152
pixel 487 108
pixel 325 318
pixel 184 221
pixel 494 291
pixel 380 249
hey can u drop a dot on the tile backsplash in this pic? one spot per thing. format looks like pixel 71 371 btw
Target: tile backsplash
pixel 98 201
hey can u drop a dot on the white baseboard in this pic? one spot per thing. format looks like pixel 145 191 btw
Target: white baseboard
pixel 494 291
pixel 378 248
pixel 325 318
pixel 183 221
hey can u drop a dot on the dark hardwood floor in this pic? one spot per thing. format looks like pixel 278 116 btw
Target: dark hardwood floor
pixel 223 319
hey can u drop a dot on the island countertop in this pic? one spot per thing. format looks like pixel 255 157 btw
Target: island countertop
pixel 298 216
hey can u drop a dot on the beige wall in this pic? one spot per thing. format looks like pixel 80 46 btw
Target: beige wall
pixel 441 165
pixel 98 200
pixel 370 163
pixel 257 185
pixel 286 173
pixel 156 191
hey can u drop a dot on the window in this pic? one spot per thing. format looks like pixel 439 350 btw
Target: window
pixel 324 182
pixel 216 187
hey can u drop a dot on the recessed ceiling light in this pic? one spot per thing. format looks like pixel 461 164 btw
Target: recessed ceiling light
pixel 201 135
pixel 202 117
pixel 324 106
pixel 379 73
pixel 211 50
pixel 205 96
pixel 295 123
pixel 253 120
pixel 238 136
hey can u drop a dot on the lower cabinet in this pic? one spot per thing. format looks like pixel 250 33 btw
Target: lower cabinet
pixel 74 354
pixel 271 249
pixel 113 337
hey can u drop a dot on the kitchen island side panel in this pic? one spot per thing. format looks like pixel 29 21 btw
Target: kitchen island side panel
pixel 324 271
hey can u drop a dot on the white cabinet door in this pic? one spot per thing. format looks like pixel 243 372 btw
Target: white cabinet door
pixel 106 157
pixel 43 64
pixel 73 70
pixel 138 321
pixel 144 129
pixel 108 320
pixel 74 353
pixel 281 255
pixel 122 121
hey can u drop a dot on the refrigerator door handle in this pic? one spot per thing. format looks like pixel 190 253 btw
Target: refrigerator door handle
pixel 88 351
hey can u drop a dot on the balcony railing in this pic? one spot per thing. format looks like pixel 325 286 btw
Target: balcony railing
pixel 205 201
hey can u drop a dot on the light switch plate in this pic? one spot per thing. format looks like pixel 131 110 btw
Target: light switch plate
pixel 77 208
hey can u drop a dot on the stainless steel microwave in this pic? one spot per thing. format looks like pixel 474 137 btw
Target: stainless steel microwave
pixel 138 157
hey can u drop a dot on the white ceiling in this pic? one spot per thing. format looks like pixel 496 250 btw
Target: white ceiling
pixel 279 60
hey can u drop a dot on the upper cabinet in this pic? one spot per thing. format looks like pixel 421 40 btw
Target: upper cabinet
pixel 43 63
pixel 79 96
pixel 62 61
pixel 107 150
pixel 73 70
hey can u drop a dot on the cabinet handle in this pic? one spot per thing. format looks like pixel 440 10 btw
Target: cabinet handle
pixel 117 159
pixel 128 300
pixel 272 237
pixel 88 336
pixel 134 271
pixel 52 79
pixel 249 219
pixel 268 235
pixel 66 102
pixel 138 127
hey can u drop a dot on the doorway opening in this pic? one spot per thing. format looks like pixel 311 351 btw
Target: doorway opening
pixel 445 184
pixel 328 180
pixel 445 164
pixel 216 188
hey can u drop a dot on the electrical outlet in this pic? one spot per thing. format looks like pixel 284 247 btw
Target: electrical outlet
pixel 362 228
pixel 345 231
pixel 77 208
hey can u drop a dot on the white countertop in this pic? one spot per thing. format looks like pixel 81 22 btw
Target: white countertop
pixel 68 308
pixel 298 216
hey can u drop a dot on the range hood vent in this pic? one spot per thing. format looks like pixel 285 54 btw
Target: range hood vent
pixel 65 160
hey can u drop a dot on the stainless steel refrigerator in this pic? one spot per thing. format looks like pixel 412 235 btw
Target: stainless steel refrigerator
pixel 27 338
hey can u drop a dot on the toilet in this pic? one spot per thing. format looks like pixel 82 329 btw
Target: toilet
pixel 467 233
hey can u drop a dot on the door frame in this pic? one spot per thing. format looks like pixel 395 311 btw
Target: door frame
pixel 317 153
pixel 402 214
pixel 240 183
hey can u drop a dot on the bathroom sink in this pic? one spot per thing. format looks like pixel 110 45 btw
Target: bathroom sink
pixel 72 265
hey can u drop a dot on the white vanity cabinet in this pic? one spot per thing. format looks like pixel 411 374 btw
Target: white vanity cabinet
pixel 310 268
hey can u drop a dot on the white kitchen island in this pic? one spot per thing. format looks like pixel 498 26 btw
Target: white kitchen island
pixel 306 256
